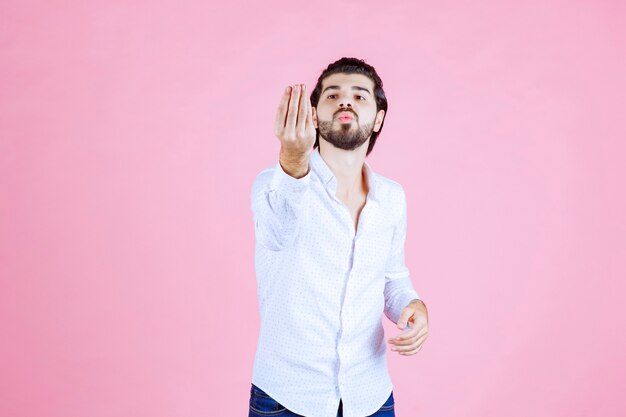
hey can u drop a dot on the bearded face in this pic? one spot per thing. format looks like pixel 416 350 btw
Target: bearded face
pixel 346 114
pixel 345 132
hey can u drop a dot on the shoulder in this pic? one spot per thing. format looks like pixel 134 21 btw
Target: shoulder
pixel 390 190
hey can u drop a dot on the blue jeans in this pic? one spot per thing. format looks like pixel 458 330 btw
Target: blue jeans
pixel 262 405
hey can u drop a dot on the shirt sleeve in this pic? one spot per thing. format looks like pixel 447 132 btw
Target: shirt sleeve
pixel 399 291
pixel 276 202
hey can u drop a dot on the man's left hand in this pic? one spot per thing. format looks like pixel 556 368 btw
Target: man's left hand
pixel 410 342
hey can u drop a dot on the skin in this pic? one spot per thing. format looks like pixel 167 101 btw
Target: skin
pixel 295 127
pixel 410 342
pixel 347 165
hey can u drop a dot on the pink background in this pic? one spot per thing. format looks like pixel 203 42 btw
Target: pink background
pixel 130 135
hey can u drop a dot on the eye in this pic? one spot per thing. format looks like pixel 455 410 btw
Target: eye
pixel 359 96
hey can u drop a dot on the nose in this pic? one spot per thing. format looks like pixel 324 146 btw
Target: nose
pixel 345 102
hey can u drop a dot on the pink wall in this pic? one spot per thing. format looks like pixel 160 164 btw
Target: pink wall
pixel 129 139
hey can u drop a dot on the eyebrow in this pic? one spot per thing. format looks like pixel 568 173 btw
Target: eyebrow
pixel 354 87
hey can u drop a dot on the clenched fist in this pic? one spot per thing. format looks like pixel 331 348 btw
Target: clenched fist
pixel 295 130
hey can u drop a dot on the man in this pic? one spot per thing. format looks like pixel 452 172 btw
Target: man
pixel 330 256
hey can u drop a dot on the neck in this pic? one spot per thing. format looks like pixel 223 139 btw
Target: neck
pixel 346 166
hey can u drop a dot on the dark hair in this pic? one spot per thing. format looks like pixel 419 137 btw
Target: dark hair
pixel 353 66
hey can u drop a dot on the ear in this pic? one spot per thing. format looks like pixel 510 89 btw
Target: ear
pixel 380 116
pixel 314 114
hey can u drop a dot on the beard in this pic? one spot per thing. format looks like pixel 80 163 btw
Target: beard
pixel 347 136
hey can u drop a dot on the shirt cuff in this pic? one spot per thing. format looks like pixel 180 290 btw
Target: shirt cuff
pixel 284 182
pixel 407 296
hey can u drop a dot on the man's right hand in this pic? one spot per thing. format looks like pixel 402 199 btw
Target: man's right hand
pixel 295 130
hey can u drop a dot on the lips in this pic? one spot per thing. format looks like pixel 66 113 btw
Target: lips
pixel 345 116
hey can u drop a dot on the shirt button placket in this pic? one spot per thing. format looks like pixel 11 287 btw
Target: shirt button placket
pixel 342 348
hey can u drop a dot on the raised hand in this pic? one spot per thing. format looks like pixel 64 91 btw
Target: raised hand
pixel 295 130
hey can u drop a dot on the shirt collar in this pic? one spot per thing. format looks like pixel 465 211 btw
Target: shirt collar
pixel 330 182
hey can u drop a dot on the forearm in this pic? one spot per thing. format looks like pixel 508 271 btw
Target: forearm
pixel 398 294
pixel 294 164
pixel 276 204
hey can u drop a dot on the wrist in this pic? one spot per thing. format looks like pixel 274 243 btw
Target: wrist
pixel 295 165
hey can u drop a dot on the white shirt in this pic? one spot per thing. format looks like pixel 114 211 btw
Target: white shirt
pixel 322 290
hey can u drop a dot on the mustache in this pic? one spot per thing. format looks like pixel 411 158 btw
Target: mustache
pixel 345 111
